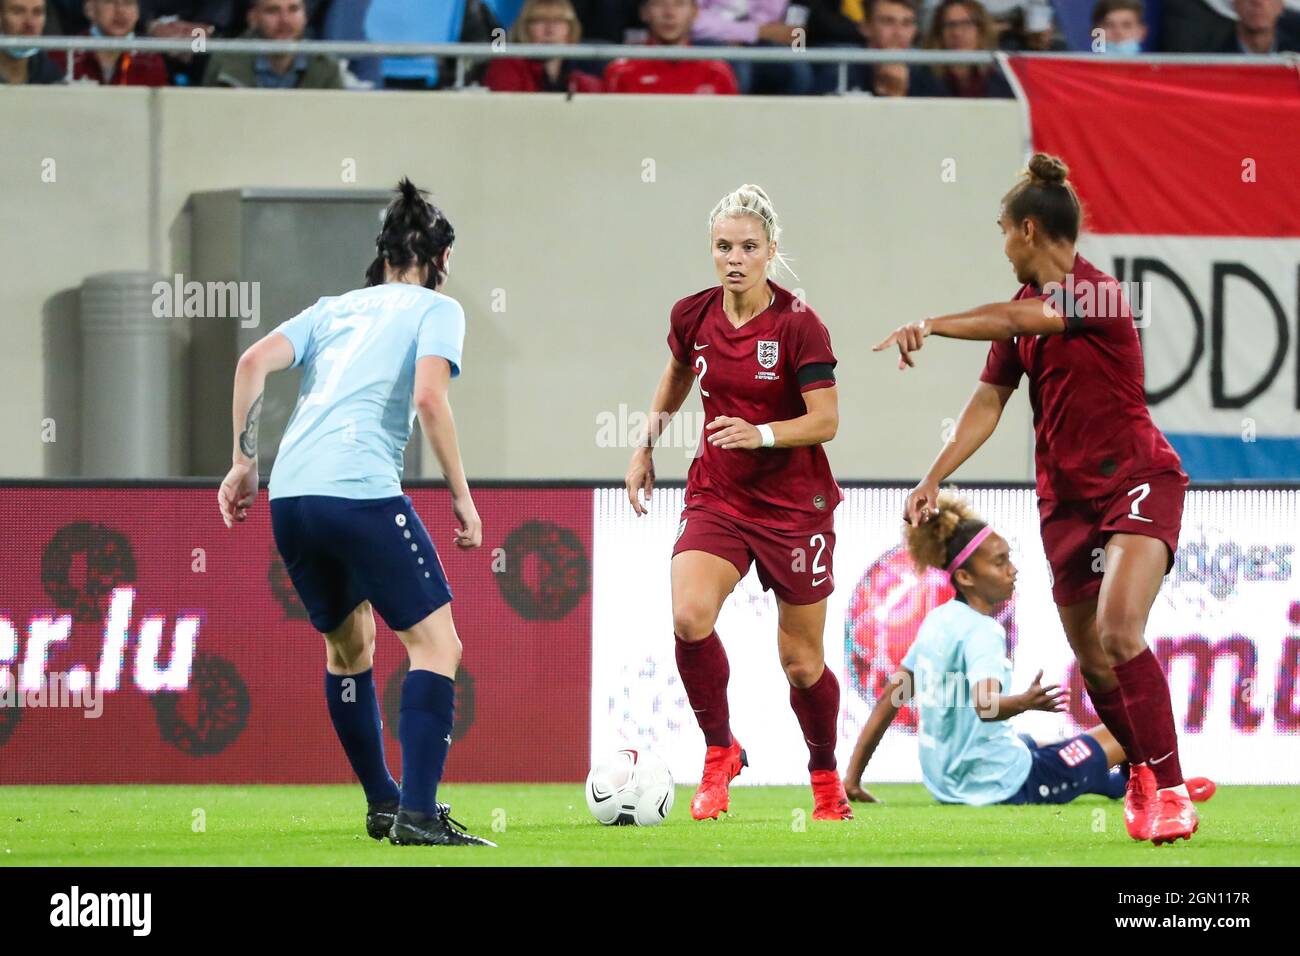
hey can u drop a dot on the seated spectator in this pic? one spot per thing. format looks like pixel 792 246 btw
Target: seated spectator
pixel 541 21
pixel 1258 30
pixel 1123 30
pixel 669 22
pixel 274 20
pixel 965 25
pixel 891 25
pixel 114 18
pixel 756 23
pixel 25 18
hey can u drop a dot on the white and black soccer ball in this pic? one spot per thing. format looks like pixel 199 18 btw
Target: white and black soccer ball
pixel 630 788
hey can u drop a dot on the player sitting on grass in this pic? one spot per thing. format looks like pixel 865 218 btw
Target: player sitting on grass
pixel 957 668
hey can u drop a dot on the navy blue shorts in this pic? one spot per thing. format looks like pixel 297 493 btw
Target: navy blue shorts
pixel 1062 771
pixel 342 551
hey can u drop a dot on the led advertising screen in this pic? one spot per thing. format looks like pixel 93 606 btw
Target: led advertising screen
pixel 143 642
pixel 1226 627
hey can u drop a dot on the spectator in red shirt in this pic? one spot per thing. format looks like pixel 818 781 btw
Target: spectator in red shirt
pixel 541 21
pixel 669 22
pixel 115 18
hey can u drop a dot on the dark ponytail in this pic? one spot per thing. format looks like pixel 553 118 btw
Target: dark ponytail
pixel 415 234
pixel 1045 193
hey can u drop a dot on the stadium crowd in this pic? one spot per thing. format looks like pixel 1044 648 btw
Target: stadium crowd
pixel 1106 28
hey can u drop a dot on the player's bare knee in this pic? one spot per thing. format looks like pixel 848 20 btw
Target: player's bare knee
pixel 352 656
pixel 1097 675
pixel 1121 635
pixel 802 672
pixel 693 621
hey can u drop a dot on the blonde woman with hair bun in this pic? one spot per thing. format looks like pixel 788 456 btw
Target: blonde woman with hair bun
pixel 760 490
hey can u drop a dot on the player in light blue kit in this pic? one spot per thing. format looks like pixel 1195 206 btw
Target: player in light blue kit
pixel 372 360
pixel 959 673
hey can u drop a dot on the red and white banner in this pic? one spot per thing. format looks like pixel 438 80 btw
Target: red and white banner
pixel 1190 181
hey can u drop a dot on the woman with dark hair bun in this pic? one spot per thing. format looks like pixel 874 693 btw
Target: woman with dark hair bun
pixel 1110 486
pixel 373 359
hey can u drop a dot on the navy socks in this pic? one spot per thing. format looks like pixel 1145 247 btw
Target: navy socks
pixel 354 711
pixel 428 711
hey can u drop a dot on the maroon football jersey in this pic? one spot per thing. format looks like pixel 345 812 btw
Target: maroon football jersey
pixel 1092 428
pixel 757 373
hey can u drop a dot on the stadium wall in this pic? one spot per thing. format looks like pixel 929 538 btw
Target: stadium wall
pixel 566 270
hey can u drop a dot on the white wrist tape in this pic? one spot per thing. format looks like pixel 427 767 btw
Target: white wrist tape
pixel 768 436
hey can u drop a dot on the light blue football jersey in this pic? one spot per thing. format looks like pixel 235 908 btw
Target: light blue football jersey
pixel 356 405
pixel 963 759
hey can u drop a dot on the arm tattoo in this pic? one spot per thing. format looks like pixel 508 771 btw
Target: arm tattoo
pixel 248 437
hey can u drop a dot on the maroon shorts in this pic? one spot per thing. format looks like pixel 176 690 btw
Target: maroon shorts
pixel 797 565
pixel 1075 532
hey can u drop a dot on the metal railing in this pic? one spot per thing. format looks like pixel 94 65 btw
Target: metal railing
pixel 465 54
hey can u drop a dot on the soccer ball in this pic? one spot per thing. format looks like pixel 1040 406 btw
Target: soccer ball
pixel 630 787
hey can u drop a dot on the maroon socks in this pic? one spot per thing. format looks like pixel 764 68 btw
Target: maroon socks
pixel 1151 716
pixel 1109 706
pixel 818 710
pixel 704 671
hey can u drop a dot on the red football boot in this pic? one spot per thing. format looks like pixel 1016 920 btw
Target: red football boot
pixel 1140 802
pixel 1200 789
pixel 1175 818
pixel 721 766
pixel 829 799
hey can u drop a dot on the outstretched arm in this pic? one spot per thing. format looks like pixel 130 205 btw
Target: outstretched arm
pixel 271 353
pixel 896 693
pixel 991 704
pixel 988 323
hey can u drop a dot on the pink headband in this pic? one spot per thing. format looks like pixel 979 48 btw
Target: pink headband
pixel 967 551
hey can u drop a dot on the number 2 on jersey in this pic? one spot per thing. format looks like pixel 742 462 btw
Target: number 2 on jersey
pixel 818 541
pixel 703 366
pixel 1141 491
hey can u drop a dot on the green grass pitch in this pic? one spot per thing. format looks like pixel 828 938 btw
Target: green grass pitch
pixel 548 825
